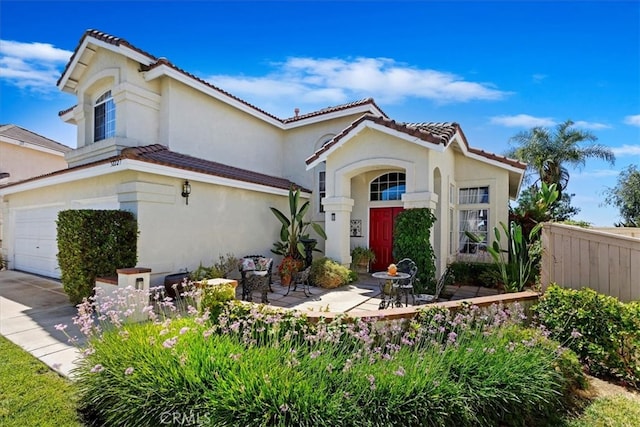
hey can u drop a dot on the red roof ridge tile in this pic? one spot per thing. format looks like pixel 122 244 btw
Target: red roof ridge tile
pixel 334 108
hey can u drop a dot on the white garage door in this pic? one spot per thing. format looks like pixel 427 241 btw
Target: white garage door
pixel 35 241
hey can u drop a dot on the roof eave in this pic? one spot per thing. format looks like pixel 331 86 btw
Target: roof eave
pixel 162 70
pixel 83 53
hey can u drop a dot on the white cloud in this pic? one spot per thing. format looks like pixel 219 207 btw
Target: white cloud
pixel 597 173
pixel 309 80
pixel 522 120
pixel 538 78
pixel 33 66
pixel 633 120
pixel 627 150
pixel 591 125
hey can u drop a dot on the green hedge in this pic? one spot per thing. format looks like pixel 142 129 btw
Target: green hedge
pixel 474 273
pixel 604 332
pixel 411 234
pixel 94 243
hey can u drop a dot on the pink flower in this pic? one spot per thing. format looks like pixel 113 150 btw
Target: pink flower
pixel 128 371
pixel 97 368
pixel 184 330
pixel 400 372
pixel 60 327
pixel 169 343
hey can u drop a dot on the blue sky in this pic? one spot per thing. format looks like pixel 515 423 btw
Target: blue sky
pixel 496 68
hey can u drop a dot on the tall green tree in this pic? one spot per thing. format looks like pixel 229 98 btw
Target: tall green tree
pixel 549 151
pixel 626 196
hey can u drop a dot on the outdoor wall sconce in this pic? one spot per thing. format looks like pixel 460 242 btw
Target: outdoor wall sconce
pixel 333 216
pixel 186 190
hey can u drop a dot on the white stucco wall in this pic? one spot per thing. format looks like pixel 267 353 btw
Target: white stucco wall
pixel 172 235
pixel 196 124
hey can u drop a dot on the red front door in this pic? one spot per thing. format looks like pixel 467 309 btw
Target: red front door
pixel 381 235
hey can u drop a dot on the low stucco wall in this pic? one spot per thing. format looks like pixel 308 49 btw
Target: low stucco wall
pixel 526 299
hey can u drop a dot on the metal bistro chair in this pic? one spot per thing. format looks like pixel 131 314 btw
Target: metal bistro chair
pixel 248 284
pixel 300 278
pixel 446 278
pixel 405 286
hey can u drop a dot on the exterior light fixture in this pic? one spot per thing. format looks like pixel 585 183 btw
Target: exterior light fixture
pixel 186 190
pixel 333 216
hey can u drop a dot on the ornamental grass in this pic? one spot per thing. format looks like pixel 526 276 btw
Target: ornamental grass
pixel 255 366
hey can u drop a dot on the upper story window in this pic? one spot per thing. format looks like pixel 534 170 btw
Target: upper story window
pixel 390 186
pixel 104 116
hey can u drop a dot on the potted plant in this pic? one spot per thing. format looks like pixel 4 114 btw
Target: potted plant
pixel 287 268
pixel 361 257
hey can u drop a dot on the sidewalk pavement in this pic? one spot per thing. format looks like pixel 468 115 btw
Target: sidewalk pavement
pixel 31 306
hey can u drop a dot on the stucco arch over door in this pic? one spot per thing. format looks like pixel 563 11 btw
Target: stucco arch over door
pixel 339 201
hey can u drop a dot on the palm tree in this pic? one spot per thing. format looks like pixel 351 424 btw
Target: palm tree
pixel 547 152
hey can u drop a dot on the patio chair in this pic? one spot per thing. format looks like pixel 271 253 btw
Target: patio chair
pixel 405 286
pixel 446 277
pixel 300 278
pixel 245 274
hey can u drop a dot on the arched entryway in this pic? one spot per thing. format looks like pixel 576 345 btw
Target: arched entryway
pixel 388 188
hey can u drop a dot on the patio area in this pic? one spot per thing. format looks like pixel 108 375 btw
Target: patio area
pixel 362 295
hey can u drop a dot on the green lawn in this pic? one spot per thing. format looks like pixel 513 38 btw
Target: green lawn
pixel 613 411
pixel 31 394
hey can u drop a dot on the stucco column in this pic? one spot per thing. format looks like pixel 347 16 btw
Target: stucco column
pixel 337 214
pixel 424 199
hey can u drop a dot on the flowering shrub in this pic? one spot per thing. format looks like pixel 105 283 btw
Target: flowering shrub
pixel 258 366
pixel 290 266
pixel 604 332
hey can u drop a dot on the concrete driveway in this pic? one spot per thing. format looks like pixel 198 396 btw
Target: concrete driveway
pixel 30 307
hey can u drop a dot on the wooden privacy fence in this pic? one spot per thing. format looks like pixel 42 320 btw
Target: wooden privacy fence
pixel 576 258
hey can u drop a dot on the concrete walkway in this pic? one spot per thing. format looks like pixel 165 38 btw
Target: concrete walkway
pixel 31 306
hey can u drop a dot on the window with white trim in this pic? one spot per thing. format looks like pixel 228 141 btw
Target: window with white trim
pixel 322 189
pixel 104 117
pixel 473 205
pixel 390 186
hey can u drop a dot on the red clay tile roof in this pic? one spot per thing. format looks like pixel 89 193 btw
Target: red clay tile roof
pixel 116 41
pixel 161 155
pixel 435 133
pixel 328 110
pixel 27 136
pixel 164 61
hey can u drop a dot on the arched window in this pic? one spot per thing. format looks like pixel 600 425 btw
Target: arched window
pixel 104 117
pixel 390 186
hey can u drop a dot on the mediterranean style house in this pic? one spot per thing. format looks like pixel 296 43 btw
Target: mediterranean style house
pixel 200 169
pixel 25 154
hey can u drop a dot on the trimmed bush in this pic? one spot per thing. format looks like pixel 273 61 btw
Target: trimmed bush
pixel 604 332
pixel 256 367
pixel 94 243
pixel 328 274
pixel 474 273
pixel 213 298
pixel 411 234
